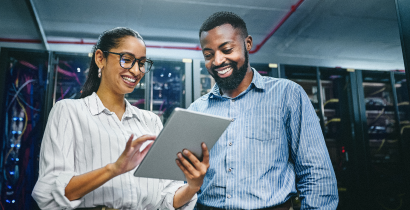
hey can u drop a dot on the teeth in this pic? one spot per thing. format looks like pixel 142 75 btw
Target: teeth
pixel 129 79
pixel 224 71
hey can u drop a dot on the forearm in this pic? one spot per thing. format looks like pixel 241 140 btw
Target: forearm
pixel 82 184
pixel 183 195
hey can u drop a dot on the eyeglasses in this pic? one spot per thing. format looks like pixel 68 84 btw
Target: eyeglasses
pixel 127 61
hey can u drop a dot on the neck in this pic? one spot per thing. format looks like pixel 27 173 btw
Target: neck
pixel 112 101
pixel 242 86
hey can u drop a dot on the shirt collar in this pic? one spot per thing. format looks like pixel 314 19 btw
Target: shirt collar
pixel 95 106
pixel 257 82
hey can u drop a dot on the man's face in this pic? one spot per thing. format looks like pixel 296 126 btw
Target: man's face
pixel 226 55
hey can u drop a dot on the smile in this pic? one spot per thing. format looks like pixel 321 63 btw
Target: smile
pixel 129 79
pixel 225 71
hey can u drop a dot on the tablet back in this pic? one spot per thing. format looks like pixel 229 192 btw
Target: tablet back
pixel 184 130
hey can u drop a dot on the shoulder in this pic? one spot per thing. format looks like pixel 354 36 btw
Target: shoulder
pixel 201 101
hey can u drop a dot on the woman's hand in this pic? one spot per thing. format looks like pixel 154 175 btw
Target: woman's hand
pixel 131 156
pixel 194 169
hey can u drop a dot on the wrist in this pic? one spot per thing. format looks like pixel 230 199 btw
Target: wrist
pixel 194 189
pixel 112 170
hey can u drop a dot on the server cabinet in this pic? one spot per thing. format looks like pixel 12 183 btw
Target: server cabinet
pixel 23 87
pixel 385 125
pixel 329 92
pixel 167 84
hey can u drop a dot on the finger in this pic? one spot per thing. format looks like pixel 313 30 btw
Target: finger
pixel 129 142
pixel 140 140
pixel 147 148
pixel 205 154
pixel 183 169
pixel 186 164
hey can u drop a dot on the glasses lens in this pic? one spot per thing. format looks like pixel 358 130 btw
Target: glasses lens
pixel 147 66
pixel 127 60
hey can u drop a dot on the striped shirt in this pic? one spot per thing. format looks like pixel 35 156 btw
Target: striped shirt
pixel 82 135
pixel 273 148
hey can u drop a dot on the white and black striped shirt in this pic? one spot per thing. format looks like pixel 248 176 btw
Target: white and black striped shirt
pixel 82 135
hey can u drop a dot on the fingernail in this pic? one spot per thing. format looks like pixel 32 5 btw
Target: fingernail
pixel 185 151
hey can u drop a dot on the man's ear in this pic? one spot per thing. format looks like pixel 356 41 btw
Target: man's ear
pixel 99 58
pixel 248 43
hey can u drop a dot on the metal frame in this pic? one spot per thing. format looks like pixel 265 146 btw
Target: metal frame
pixel 403 19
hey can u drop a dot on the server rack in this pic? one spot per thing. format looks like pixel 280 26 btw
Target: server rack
pixel 23 92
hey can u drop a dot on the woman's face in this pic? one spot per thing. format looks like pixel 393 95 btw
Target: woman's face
pixel 116 78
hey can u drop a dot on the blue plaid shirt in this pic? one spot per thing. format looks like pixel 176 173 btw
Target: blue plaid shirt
pixel 273 147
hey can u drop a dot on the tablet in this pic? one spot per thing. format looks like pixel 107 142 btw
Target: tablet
pixel 184 129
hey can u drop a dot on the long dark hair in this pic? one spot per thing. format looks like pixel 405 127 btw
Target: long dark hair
pixel 108 39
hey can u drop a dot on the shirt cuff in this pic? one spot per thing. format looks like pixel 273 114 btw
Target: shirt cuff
pixel 59 193
pixel 169 193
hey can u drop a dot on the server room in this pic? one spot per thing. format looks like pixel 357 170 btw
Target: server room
pixel 347 148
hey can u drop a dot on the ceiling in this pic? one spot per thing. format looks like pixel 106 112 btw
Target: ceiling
pixel 331 33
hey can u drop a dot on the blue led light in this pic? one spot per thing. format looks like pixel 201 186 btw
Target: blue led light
pixel 13 132
pixel 8 201
pixel 17 159
pixel 18 132
pixel 11 172
pixel 15 118
pixel 18 145
pixel 9 186
pixel 13 201
pixel 12 158
pixel 11 145
pixel 21 119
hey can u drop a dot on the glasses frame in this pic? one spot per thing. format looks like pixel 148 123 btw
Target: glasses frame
pixel 133 63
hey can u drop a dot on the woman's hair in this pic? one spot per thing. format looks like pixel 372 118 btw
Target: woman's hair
pixel 108 39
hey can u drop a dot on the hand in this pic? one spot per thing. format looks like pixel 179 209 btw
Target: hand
pixel 194 169
pixel 131 156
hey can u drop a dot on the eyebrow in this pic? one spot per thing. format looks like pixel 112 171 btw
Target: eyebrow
pixel 221 45
pixel 141 58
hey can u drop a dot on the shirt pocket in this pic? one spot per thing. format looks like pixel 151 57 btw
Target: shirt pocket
pixel 263 124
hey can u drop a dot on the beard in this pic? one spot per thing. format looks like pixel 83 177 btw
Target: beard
pixel 233 81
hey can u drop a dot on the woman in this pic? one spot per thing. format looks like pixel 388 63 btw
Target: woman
pixel 88 152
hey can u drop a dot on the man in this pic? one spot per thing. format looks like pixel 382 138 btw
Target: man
pixel 274 146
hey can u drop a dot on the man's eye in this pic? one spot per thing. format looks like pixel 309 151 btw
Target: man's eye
pixel 227 51
pixel 208 55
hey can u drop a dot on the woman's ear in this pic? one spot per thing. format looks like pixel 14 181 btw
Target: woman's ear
pixel 99 58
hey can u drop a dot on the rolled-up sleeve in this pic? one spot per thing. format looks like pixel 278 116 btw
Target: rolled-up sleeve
pixel 168 193
pixel 316 179
pixel 56 167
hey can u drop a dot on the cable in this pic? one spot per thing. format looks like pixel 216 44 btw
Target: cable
pixel 381 90
pixel 403 103
pixel 402 129
pixel 21 88
pixel 333 100
pixel 378 116
pixel 332 120
pixel 1 205
pixel 22 132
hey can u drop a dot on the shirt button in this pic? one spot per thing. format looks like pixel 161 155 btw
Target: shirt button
pixel 228 196
pixel 233 100
pixel 230 169
pixel 233 119
pixel 230 143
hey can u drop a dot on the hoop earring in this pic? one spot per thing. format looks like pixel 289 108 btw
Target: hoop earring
pixel 99 72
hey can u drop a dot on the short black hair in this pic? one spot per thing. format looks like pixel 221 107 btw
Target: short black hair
pixel 224 17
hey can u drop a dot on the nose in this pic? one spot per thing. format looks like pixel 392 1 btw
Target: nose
pixel 135 70
pixel 219 58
